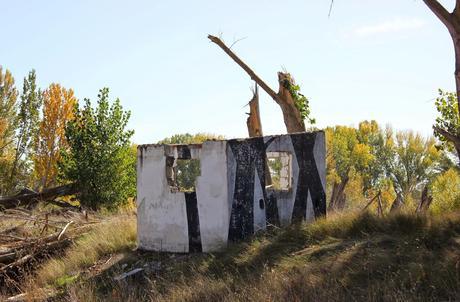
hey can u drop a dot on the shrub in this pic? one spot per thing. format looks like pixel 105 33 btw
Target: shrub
pixel 99 159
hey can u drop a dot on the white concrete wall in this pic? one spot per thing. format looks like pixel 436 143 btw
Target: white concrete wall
pixel 212 196
pixel 161 215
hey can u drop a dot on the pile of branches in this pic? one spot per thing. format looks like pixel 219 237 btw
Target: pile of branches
pixel 29 237
pixel 33 238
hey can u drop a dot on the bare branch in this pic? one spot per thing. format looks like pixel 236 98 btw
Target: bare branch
pixel 440 12
pixel 246 68
pixel 237 42
pixel 330 9
pixel 449 136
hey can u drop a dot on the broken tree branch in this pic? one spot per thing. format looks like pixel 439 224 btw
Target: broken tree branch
pixel 371 201
pixel 284 98
pixel 449 136
pixel 246 68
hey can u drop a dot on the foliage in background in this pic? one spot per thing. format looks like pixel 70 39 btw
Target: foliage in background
pixel 370 159
pixel 275 166
pixel 413 164
pixel 370 134
pixel 28 120
pixel 345 155
pixel 187 171
pixel 446 192
pixel 187 138
pixel 8 122
pixel 58 104
pixel 99 159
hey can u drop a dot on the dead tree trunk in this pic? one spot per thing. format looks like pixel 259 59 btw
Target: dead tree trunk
pixel 452 23
pixel 425 201
pixel 291 115
pixel 338 197
pixel 254 122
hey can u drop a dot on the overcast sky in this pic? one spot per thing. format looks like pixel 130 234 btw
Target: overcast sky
pixel 371 59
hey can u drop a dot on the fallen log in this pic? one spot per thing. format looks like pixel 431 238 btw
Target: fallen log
pixel 27 197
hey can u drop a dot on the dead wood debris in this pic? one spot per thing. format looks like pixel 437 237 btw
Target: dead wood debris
pixel 30 198
pixel 29 237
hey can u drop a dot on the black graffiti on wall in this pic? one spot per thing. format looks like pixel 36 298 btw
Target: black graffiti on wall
pixel 250 156
pixel 309 180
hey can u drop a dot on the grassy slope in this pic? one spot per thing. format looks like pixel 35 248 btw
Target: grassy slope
pixel 345 258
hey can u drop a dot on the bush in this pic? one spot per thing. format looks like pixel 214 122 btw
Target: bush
pixel 100 160
pixel 446 192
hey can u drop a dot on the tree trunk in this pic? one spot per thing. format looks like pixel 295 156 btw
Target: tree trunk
pixel 291 115
pixel 425 201
pixel 253 122
pixel 29 197
pixel 380 208
pixel 452 23
pixel 397 203
pixel 338 197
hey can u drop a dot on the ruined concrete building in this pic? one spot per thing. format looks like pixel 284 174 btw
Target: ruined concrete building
pixel 198 197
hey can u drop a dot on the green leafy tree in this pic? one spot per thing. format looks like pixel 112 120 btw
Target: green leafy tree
pixel 28 120
pixel 373 173
pixel 446 192
pixel 448 121
pixel 99 159
pixel 413 164
pixel 345 156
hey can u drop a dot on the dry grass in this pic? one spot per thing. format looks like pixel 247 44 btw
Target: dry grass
pixel 115 235
pixel 351 257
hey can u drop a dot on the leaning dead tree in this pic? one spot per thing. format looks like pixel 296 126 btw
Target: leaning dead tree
pixel 293 113
pixel 452 23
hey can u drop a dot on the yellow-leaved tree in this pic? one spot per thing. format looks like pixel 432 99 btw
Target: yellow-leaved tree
pixel 8 97
pixel 58 104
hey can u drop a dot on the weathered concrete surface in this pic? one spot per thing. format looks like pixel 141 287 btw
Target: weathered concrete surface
pixel 212 191
pixel 231 199
pixel 162 217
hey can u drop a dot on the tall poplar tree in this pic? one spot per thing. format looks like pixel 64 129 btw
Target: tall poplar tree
pixel 28 120
pixel 8 97
pixel 58 104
